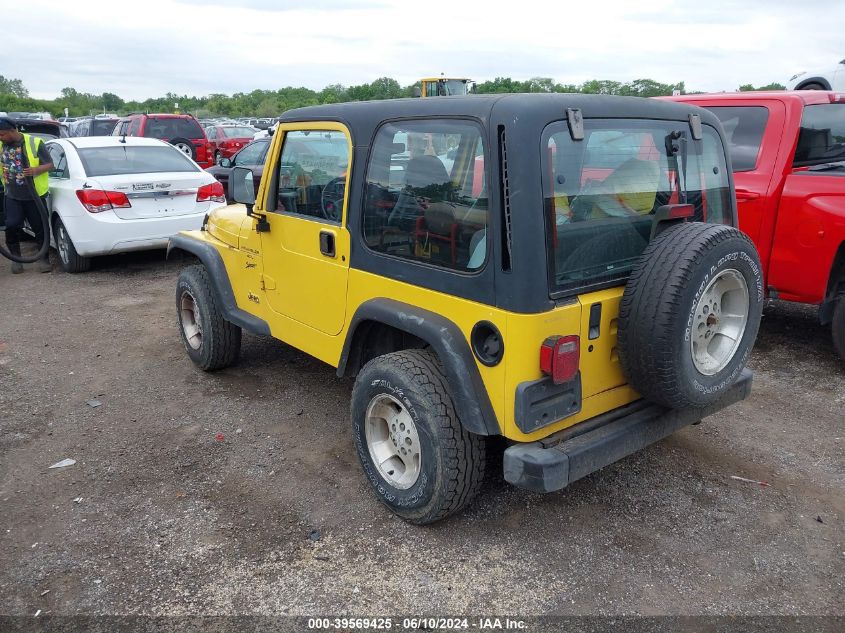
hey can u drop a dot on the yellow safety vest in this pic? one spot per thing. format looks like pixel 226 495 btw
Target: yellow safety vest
pixel 42 181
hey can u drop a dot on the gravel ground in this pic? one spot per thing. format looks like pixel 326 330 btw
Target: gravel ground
pixel 158 516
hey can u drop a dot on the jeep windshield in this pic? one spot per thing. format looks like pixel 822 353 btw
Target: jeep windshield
pixel 601 193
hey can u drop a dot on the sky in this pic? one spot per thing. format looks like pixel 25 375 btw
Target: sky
pixel 198 47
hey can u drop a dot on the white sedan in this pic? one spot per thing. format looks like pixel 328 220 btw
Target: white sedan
pixel 111 194
pixel 831 78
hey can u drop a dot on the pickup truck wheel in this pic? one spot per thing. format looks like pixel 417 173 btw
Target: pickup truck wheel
pixel 690 314
pixel 211 341
pixel 812 86
pixel 838 327
pixel 417 457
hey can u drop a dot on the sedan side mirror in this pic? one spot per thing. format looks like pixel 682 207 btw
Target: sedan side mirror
pixel 224 162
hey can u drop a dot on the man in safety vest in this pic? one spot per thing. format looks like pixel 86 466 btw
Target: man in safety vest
pixel 23 156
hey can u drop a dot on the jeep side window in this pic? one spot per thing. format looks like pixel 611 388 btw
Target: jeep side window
pixel 426 197
pixel 312 174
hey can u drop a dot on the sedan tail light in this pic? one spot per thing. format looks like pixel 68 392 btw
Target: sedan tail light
pixel 211 193
pixel 97 200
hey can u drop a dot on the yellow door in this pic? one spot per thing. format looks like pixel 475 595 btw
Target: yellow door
pixel 306 251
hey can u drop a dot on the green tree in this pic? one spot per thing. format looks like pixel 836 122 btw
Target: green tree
pixel 771 86
pixel 13 87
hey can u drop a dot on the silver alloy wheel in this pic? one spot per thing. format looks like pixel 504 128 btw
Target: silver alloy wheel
pixel 719 321
pixel 62 239
pixel 393 441
pixel 184 148
pixel 189 320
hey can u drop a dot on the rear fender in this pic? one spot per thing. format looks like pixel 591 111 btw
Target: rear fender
pixel 446 339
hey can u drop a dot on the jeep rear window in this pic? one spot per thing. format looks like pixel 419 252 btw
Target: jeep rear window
pixel 118 161
pixel 170 128
pixel 744 127
pixel 601 193
pixel 822 136
pixel 426 198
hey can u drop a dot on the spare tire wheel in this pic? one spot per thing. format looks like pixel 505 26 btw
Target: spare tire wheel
pixel 690 314
pixel 185 146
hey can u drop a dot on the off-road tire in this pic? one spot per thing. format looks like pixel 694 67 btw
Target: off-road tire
pixel 659 308
pixel 452 460
pixel 220 340
pixel 837 327
pixel 70 261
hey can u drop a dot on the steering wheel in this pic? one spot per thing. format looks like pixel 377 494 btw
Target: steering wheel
pixel 331 198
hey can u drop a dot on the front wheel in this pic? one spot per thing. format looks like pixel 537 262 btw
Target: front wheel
pixel 418 459
pixel 72 262
pixel 211 341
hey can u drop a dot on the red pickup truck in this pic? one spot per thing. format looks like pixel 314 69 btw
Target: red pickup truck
pixel 788 155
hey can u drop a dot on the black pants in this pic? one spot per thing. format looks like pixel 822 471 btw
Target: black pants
pixel 16 212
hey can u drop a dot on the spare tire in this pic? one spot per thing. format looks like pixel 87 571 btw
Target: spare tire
pixel 690 314
pixel 185 146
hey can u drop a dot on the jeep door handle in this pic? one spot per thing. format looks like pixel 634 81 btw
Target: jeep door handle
pixel 743 195
pixel 327 246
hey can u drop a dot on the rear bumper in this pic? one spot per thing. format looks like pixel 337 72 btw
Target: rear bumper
pixel 105 233
pixel 558 460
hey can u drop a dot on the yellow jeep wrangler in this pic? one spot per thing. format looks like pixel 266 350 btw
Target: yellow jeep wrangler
pixel 560 270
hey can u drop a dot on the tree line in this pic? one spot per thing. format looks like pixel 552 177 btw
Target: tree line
pixel 14 96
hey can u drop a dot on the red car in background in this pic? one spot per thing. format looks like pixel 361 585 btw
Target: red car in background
pixel 182 131
pixel 788 155
pixel 229 138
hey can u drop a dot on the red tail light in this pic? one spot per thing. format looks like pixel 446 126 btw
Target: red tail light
pixel 211 193
pixel 559 356
pixel 97 200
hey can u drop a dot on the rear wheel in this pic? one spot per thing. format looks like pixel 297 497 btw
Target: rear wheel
pixel 211 341
pixel 690 314
pixel 185 146
pixel 812 86
pixel 419 460
pixel 838 327
pixel 71 261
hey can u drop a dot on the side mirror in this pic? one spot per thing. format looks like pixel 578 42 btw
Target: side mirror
pixel 241 187
pixel 224 162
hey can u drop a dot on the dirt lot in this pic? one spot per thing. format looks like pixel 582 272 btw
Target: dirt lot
pixel 159 517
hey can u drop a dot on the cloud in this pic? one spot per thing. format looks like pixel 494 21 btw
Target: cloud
pixel 214 46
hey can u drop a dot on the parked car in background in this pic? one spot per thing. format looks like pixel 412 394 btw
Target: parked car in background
pixel 92 126
pixel 43 128
pixel 788 155
pixel 182 131
pixel 229 139
pixel 827 78
pixel 251 156
pixel 113 194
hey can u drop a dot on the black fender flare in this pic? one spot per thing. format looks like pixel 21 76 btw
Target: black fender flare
pixel 814 80
pixel 448 342
pixel 220 284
